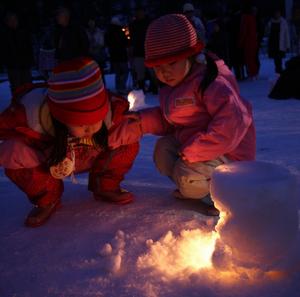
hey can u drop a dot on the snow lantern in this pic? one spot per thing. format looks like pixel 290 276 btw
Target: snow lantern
pixel 136 99
pixel 259 215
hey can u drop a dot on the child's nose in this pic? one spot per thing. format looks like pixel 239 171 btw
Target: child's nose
pixel 88 130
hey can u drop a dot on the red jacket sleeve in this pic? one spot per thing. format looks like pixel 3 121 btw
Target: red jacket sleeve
pixel 153 121
pixel 13 125
pixel 10 119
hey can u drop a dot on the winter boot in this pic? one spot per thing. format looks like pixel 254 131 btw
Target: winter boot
pixel 43 190
pixel 120 196
pixel 205 203
pixel 40 214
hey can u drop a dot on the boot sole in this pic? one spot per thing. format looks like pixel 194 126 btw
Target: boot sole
pixel 120 202
pixel 55 208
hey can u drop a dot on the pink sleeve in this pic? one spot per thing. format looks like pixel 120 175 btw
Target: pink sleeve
pixel 229 124
pixel 153 121
pixel 130 131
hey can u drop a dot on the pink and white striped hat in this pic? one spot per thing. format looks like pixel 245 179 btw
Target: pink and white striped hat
pixel 170 38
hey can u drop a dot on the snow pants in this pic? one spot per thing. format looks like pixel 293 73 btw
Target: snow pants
pixel 192 179
pixel 25 166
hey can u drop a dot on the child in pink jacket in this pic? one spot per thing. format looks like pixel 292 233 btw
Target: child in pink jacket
pixel 202 117
pixel 53 131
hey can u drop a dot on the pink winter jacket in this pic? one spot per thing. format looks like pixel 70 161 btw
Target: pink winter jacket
pixel 218 124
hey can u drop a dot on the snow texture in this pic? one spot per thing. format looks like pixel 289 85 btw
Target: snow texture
pixel 259 200
pixel 90 248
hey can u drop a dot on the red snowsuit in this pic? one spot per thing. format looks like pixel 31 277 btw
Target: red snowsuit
pixel 27 143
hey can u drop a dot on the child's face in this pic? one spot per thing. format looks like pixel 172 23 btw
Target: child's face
pixel 172 73
pixel 85 130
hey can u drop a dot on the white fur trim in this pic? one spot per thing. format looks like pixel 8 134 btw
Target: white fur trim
pixel 32 102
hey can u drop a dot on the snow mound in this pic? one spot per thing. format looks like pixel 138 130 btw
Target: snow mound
pixel 258 201
pixel 113 253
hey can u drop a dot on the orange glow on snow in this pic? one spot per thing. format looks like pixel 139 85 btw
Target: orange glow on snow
pixel 196 250
pixel 188 253
pixel 178 257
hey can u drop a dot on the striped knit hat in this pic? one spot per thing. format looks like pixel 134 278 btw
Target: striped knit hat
pixel 76 93
pixel 170 38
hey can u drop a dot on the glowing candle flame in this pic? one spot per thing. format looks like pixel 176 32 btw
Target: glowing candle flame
pixel 182 255
pixel 136 99
pixel 196 251
pixel 192 252
pixel 131 99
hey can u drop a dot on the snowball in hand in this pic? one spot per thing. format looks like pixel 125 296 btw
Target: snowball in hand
pixel 260 203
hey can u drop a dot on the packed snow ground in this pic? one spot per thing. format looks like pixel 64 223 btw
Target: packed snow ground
pixel 89 248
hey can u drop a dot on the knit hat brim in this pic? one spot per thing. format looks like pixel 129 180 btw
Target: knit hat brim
pixel 160 60
pixel 74 116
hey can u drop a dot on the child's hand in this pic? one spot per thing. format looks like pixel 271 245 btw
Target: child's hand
pixel 132 116
pixel 184 159
pixel 182 156
pixel 127 132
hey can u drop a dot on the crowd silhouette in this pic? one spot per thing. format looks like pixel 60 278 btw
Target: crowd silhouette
pixel 39 36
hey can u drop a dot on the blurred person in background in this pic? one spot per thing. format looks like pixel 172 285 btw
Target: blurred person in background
pixel 236 61
pixel 189 11
pixel 138 28
pixel 248 41
pixel 47 59
pixel 117 44
pixel 16 51
pixel 96 43
pixel 71 40
pixel 279 39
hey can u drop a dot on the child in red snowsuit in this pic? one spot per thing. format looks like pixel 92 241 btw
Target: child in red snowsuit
pixel 52 132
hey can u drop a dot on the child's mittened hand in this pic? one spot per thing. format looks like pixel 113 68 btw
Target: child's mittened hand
pixel 127 132
pixel 184 158
pixel 132 116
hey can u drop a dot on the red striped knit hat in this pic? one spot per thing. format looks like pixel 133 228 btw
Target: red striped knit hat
pixel 76 93
pixel 170 38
